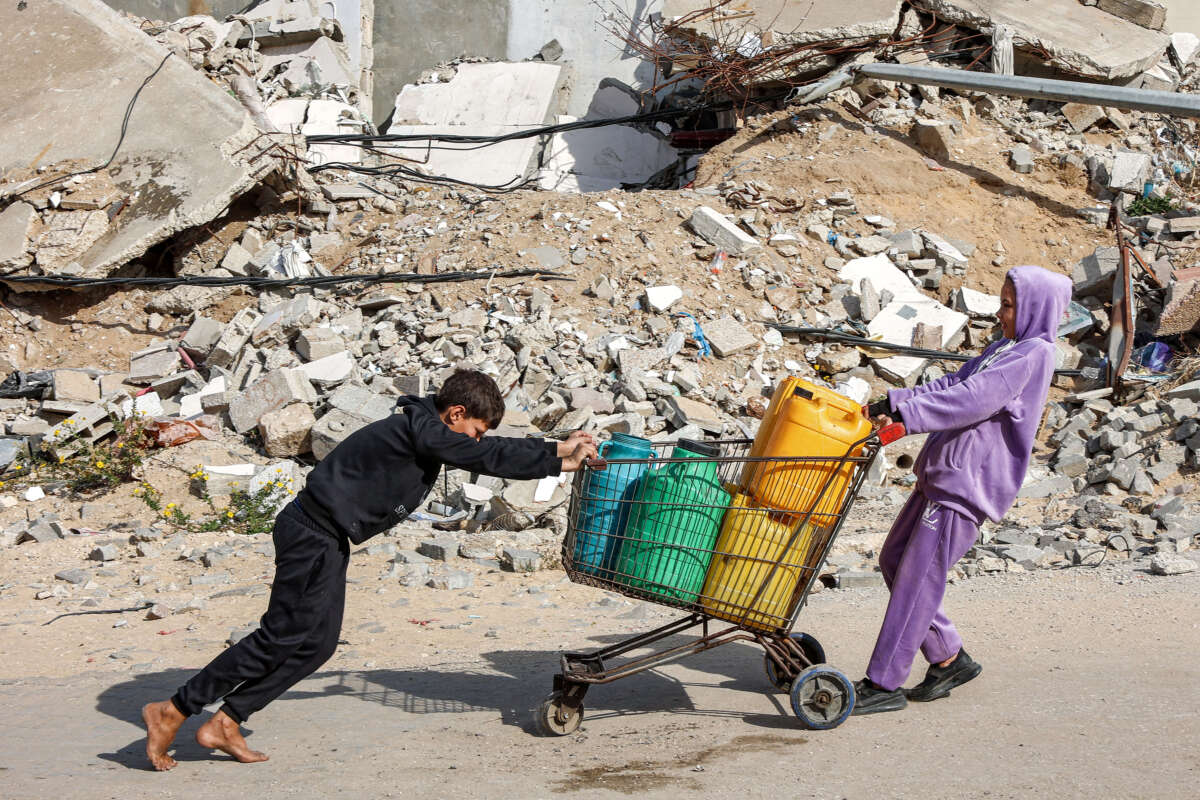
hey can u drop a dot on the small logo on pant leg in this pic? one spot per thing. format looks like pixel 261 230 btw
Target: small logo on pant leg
pixel 930 515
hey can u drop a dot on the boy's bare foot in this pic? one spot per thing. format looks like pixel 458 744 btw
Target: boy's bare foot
pixel 162 723
pixel 222 733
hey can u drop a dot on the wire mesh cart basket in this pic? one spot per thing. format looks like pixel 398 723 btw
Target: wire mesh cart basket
pixel 732 540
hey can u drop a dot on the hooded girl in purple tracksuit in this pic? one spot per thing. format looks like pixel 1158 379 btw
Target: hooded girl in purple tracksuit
pixel 982 422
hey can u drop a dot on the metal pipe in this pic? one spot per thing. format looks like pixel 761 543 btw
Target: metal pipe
pixel 1174 104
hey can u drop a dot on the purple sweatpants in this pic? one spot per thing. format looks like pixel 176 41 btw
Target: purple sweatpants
pixel 925 542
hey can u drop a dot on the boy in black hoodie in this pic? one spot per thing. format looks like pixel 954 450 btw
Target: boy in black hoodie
pixel 371 481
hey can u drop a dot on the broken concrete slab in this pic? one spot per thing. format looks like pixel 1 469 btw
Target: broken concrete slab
pixel 884 277
pixel 484 100
pixel 791 22
pixel 896 324
pixel 715 229
pixel 330 370
pixel 287 431
pixel 16 224
pixel 1146 13
pixel 601 159
pixel 276 390
pixel 179 161
pixel 935 137
pixel 1094 274
pixel 1078 38
pixel 728 337
pixel 1129 172
pixel 976 304
pixel 1181 313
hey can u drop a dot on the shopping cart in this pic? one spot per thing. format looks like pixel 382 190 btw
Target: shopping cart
pixel 707 545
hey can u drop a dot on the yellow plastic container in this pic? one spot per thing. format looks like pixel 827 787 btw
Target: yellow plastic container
pixel 782 391
pixel 810 421
pixel 750 544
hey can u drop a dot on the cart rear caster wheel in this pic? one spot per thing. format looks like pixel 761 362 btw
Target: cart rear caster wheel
pixel 822 698
pixel 555 718
pixel 812 651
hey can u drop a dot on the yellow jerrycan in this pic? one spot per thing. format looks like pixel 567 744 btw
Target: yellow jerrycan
pixel 810 421
pixel 751 544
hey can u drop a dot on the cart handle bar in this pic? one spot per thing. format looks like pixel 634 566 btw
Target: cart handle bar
pixel 887 434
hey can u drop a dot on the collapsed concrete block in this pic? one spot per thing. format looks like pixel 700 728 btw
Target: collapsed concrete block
pixel 1146 13
pixel 361 402
pixel 1182 310
pixel 896 324
pixel 154 362
pixel 935 138
pixel 16 224
pixel 718 231
pixel 601 159
pixel 287 431
pixel 330 370
pixel 1077 38
pixel 728 337
pixel 179 172
pixel 278 324
pixel 660 298
pixel 1129 172
pixel 1021 160
pixel 685 412
pixel 481 99
pixel 976 304
pixel 276 390
pixel 883 275
pixel 317 343
pixel 1082 116
pixel 233 338
pixel 202 336
pixel 72 384
pixel 1093 276
pixel 1185 46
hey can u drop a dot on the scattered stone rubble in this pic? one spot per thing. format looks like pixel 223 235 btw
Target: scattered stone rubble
pixel 292 374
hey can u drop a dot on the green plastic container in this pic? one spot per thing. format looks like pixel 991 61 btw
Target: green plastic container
pixel 674 525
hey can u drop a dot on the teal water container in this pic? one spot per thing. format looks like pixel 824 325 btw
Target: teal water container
pixel 674 524
pixel 604 505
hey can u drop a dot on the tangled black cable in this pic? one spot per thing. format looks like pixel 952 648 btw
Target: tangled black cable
pixel 120 140
pixel 318 281
pixel 401 171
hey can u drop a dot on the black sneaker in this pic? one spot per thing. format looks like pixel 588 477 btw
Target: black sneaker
pixel 940 680
pixel 870 699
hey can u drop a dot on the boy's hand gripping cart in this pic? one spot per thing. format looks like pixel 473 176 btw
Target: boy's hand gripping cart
pixel 746 552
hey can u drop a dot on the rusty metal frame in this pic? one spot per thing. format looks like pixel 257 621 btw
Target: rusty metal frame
pixel 1120 337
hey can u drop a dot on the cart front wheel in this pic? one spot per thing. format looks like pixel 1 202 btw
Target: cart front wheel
pixel 808 645
pixel 555 718
pixel 822 698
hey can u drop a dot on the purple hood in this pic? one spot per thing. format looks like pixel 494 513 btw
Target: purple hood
pixel 1042 297
pixel 983 419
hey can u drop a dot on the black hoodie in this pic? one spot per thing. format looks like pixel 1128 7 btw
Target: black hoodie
pixel 382 472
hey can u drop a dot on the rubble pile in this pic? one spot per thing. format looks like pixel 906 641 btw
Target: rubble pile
pixel 292 68
pixel 665 314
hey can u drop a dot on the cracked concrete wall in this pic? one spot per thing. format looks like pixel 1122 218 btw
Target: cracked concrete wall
pixel 413 35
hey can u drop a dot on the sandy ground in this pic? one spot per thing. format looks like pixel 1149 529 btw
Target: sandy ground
pixel 1089 689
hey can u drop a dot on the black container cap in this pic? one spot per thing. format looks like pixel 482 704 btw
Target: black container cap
pixel 699 448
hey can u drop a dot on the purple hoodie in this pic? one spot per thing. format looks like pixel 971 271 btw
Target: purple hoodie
pixel 983 419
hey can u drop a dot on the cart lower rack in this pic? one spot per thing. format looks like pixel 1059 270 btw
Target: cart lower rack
pixel 732 540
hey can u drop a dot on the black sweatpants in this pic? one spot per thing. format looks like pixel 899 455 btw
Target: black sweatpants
pixel 298 633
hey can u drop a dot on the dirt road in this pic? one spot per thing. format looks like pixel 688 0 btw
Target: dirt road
pixel 1090 688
